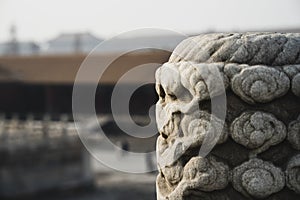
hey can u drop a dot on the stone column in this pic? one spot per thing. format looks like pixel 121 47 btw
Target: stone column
pixel 256 153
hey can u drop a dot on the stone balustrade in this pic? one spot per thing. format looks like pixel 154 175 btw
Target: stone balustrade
pixel 41 155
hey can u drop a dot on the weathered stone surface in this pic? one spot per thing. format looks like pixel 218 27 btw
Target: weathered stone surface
pixel 182 133
pixel 257 130
pixel 186 81
pixel 257 83
pixel 205 174
pixel 199 174
pixel 294 133
pixel 173 173
pixel 196 194
pixel 257 178
pixel 259 72
pixel 294 73
pixel 272 49
pixel 293 174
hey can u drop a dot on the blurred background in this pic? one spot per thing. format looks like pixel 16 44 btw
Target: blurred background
pixel 42 45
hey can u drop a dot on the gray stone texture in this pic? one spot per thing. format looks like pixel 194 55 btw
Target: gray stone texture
pixel 256 154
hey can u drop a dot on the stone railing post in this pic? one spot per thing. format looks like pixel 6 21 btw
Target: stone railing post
pixel 256 155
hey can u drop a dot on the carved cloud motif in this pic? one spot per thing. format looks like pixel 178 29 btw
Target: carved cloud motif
pixel 293 71
pixel 294 133
pixel 189 132
pixel 177 111
pixel 257 84
pixel 205 174
pixel 257 131
pixel 201 174
pixel 258 178
pixel 293 174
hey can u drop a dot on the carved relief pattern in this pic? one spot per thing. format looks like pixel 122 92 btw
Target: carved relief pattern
pixel 258 83
pixel 257 131
pixel 257 178
pixel 293 71
pixel 260 73
pixel 293 174
pixel 294 133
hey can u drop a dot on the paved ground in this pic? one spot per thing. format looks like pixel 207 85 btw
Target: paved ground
pixel 109 184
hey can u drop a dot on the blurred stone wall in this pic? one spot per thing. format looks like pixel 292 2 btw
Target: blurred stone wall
pixel 41 155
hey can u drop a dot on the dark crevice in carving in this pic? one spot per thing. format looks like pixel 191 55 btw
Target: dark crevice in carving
pixel 162 93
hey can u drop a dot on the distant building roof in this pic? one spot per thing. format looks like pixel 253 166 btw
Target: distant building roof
pixel 68 43
pixel 19 48
pixel 62 69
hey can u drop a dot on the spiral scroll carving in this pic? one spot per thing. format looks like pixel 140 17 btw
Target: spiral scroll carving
pixel 257 178
pixel 260 73
pixel 205 174
pixel 294 73
pixel 259 83
pixel 200 174
pixel 188 79
pixel 181 134
pixel 257 130
pixel 293 174
pixel 294 133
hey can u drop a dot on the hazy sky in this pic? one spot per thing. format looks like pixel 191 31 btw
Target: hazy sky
pixel 41 20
